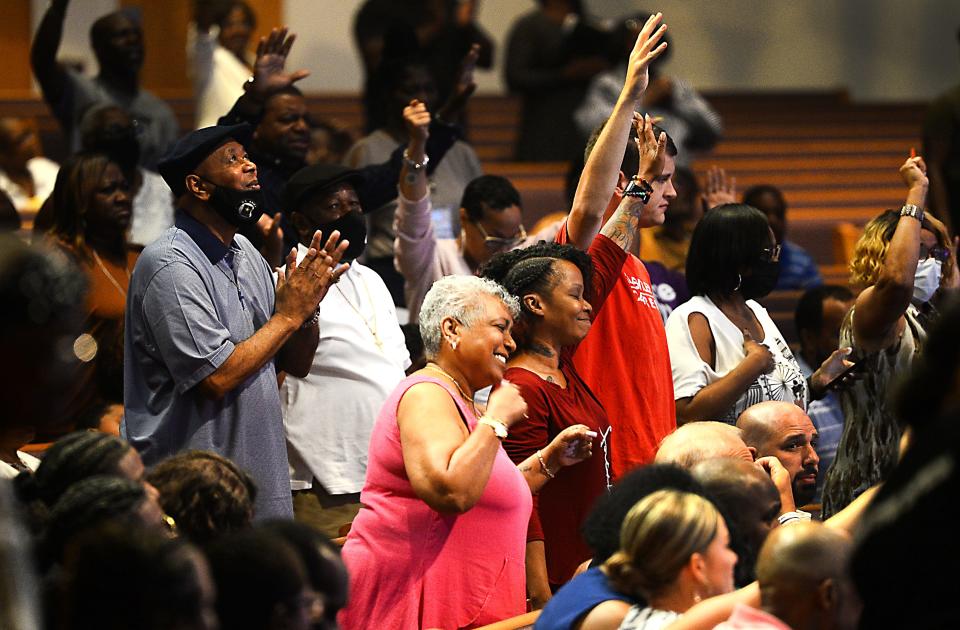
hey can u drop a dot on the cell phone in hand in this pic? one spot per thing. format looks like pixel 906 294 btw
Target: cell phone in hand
pixel 856 367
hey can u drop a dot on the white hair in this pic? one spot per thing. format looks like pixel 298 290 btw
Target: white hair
pixel 457 297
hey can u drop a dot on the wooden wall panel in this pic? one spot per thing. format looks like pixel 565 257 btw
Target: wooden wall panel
pixel 15 79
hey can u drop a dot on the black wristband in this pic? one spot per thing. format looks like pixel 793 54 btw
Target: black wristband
pixel 638 188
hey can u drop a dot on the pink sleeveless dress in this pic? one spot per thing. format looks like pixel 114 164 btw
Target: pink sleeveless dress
pixel 412 567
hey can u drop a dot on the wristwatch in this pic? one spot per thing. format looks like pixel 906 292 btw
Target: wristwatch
pixel 910 210
pixel 639 188
pixel 499 428
pixel 415 166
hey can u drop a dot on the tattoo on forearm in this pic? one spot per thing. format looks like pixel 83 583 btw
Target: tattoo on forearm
pixel 525 468
pixel 622 228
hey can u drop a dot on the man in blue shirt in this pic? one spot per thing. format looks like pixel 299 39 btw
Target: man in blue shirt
pixel 818 317
pixel 797 268
pixel 206 328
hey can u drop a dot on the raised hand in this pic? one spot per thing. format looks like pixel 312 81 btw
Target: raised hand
pixel 272 233
pixel 301 287
pixel 464 89
pixel 758 354
pixel 652 150
pixel 914 172
pixel 572 445
pixel 719 189
pixel 506 404
pixel 269 73
pixel 645 50
pixel 416 118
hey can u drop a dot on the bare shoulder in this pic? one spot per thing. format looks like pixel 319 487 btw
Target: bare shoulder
pixel 606 616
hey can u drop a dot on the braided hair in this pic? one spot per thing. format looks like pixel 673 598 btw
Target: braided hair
pixel 533 270
pixel 72 458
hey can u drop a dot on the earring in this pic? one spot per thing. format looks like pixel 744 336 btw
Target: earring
pixel 739 282
pixel 453 345
pixel 697 598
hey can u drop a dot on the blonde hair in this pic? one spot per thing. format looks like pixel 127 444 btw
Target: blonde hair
pixel 870 252
pixel 657 538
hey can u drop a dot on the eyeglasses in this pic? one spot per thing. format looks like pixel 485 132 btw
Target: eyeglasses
pixel 499 243
pixel 771 254
pixel 937 252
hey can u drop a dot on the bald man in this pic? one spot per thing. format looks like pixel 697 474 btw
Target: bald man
pixel 804 582
pixel 698 441
pixel 750 504
pixel 784 431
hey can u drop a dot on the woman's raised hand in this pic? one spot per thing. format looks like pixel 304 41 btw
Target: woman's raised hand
pixel 506 404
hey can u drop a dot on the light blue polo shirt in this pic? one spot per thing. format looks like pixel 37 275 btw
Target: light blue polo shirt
pixel 191 300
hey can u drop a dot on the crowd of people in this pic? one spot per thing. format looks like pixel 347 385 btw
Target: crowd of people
pixel 268 374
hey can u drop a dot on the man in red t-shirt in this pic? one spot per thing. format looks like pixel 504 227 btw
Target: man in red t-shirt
pixel 624 360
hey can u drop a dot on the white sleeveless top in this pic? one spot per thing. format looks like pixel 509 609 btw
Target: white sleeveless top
pixel 690 374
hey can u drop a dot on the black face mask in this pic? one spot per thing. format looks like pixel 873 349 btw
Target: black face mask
pixel 238 207
pixel 762 281
pixel 353 227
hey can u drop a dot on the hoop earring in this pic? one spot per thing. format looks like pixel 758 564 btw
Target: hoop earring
pixel 739 282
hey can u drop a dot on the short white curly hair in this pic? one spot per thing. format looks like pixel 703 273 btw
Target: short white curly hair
pixel 457 297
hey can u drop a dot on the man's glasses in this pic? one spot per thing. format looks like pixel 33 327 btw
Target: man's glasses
pixel 938 252
pixel 771 254
pixel 499 243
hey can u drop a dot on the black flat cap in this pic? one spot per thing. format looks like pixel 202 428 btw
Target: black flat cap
pixel 192 149
pixel 314 178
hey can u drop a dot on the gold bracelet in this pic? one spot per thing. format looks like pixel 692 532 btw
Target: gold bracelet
pixel 543 467
pixel 499 427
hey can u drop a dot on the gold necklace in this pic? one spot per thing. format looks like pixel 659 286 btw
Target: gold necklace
pixel 374 327
pixel 109 275
pixel 433 366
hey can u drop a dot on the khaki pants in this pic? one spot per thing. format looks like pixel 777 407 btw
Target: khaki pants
pixel 326 513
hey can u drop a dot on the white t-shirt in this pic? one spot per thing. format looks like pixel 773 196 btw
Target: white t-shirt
pixel 44 174
pixel 152 210
pixel 329 415
pixel 690 374
pixel 9 472
pixel 218 76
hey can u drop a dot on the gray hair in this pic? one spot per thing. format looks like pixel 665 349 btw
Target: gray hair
pixel 457 297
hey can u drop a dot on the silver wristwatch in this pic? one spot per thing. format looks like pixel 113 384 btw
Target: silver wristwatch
pixel 910 210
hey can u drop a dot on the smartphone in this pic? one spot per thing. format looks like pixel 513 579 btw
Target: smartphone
pixel 856 367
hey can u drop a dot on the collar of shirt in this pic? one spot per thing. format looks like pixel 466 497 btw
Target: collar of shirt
pixel 211 246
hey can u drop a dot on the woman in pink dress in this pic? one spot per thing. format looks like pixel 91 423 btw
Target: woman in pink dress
pixel 439 541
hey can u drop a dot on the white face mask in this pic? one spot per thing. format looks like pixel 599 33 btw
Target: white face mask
pixel 927 280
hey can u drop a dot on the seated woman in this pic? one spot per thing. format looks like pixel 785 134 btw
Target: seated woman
pixel 93 502
pixel 91 211
pixel 902 261
pixel 75 457
pixel 561 289
pixel 674 552
pixel 727 353
pixel 205 493
pixel 439 540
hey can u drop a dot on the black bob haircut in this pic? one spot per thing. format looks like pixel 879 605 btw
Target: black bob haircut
pixel 494 191
pixel 728 240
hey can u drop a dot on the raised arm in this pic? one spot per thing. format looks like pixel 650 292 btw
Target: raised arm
pixel 269 75
pixel 880 307
pixel 43 53
pixel 602 170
